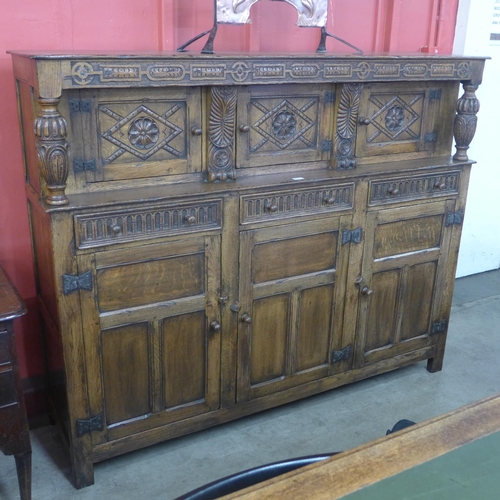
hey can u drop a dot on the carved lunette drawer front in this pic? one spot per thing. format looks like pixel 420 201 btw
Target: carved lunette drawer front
pixel 149 222
pixel 416 187
pixel 296 202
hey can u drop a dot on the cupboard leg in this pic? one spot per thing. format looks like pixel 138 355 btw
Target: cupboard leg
pixel 435 364
pixel 23 466
pixel 83 473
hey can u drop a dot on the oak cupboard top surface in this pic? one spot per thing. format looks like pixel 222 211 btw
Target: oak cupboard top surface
pixel 243 184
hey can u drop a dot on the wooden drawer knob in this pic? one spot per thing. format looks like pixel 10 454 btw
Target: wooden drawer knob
pixel 366 291
pixel 246 319
pixel 272 208
pixel 116 229
pixel 191 219
pixel 245 128
pixel 439 185
pixel 330 201
pixel 196 131
pixel 394 191
pixel 215 326
pixel 364 121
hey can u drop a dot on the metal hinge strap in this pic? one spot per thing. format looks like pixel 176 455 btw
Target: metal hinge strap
pixel 84 165
pixel 326 145
pixel 439 326
pixel 330 97
pixel 454 218
pixel 353 236
pixel 344 354
pixel 72 283
pixel 92 424
pixel 435 94
pixel 76 105
pixel 430 137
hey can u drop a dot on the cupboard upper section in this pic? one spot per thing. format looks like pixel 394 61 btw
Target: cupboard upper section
pixel 103 122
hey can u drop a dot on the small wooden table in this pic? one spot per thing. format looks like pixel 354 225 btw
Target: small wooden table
pixel 14 433
pixel 462 444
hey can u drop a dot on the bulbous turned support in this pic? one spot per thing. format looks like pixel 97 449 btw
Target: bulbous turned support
pixel 52 148
pixel 464 127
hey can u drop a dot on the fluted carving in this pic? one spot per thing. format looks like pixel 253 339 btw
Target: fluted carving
pixel 347 118
pixel 221 134
pixel 465 121
pixel 52 148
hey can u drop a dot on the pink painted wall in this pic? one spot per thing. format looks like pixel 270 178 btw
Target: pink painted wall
pixel 127 25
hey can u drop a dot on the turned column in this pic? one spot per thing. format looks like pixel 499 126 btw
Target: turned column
pixel 52 148
pixel 464 127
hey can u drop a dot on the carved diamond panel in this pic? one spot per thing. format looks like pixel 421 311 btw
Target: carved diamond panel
pixel 395 117
pixel 283 124
pixel 133 131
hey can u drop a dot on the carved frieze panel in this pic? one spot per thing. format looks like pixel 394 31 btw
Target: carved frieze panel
pixel 179 71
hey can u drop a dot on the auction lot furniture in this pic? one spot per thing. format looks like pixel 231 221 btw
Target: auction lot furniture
pixel 451 456
pixel 218 235
pixel 14 432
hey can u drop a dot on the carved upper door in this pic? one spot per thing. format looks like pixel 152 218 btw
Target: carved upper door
pixel 292 279
pixel 405 118
pixel 402 304
pixel 283 124
pixel 152 334
pixel 132 133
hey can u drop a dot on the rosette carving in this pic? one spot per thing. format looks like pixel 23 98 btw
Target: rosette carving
pixel 221 128
pixel 465 124
pixel 345 133
pixel 52 149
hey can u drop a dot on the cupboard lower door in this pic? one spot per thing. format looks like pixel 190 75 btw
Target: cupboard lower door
pixel 291 282
pixel 402 303
pixel 152 341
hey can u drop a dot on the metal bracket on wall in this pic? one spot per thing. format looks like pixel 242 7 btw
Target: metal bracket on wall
pixel 92 424
pixel 353 236
pixel 72 283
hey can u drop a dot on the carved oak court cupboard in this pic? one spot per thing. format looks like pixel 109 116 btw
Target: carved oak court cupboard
pixel 218 235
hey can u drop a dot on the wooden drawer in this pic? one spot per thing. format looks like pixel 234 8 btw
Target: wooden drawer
pixel 396 189
pixel 4 347
pixel 104 228
pixel 291 203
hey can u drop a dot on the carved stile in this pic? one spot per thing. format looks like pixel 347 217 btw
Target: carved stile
pixel 465 121
pixel 52 148
pixel 346 126
pixel 221 134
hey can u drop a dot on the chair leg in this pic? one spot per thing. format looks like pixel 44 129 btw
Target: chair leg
pixel 23 466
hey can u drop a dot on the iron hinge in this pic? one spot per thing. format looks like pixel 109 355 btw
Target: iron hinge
pixel 454 218
pixel 326 146
pixel 353 236
pixel 435 94
pixel 344 354
pixel 92 424
pixel 430 137
pixel 72 283
pixel 439 326
pixel 330 97
pixel 76 105
pixel 83 165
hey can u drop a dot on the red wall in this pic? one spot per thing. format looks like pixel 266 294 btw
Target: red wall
pixel 126 25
